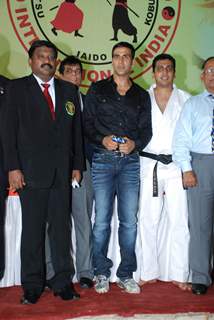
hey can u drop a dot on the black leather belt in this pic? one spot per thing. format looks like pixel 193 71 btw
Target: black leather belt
pixel 163 158
pixel 113 152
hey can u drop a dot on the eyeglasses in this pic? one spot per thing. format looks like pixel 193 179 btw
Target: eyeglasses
pixel 72 71
pixel 161 68
pixel 209 71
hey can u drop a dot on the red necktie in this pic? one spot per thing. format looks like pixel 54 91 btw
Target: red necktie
pixel 49 100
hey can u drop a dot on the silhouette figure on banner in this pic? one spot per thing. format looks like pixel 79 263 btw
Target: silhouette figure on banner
pixel 69 18
pixel 120 20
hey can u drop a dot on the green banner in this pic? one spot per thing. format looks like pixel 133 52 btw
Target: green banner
pixel 89 29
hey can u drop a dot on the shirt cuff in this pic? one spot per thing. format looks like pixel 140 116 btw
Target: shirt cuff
pixel 186 166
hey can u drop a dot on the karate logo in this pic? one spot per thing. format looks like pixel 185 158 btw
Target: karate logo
pixel 89 29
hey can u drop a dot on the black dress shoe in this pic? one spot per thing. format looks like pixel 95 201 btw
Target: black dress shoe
pixel 198 288
pixel 30 297
pixel 86 283
pixel 67 293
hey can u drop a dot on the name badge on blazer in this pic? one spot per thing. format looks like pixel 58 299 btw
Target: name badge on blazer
pixel 70 108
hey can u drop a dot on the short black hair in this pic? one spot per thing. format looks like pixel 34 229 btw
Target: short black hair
pixel 163 56
pixel 205 62
pixel 123 44
pixel 42 43
pixel 70 60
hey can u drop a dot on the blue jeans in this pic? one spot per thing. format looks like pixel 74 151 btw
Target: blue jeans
pixel 118 175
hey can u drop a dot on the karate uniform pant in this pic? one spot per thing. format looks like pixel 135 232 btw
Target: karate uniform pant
pixel 163 224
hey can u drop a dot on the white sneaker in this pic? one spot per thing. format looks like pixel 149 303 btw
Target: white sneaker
pixel 129 285
pixel 101 284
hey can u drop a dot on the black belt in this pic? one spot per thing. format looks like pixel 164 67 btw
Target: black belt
pixel 163 158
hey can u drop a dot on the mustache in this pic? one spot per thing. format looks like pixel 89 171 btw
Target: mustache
pixel 46 64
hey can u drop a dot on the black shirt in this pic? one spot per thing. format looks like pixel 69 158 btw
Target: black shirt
pixel 106 112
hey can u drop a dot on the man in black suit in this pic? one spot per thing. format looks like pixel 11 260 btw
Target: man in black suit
pixel 3 183
pixel 43 118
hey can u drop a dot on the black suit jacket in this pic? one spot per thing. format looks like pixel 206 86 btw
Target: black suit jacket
pixel 3 90
pixel 34 143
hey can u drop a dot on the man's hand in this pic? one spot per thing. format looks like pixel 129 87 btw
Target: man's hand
pixel 189 179
pixel 109 144
pixel 127 147
pixel 16 180
pixel 76 174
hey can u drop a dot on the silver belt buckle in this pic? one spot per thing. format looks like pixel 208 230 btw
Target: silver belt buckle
pixel 120 154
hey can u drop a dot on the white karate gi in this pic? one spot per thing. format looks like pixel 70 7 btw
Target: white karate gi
pixel 163 220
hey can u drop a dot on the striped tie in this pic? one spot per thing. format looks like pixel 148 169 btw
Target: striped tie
pixel 212 132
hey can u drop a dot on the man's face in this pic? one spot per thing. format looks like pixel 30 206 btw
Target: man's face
pixel 164 73
pixel 207 76
pixel 72 73
pixel 122 61
pixel 43 63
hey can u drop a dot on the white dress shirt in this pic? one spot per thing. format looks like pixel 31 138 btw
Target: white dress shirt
pixel 51 89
